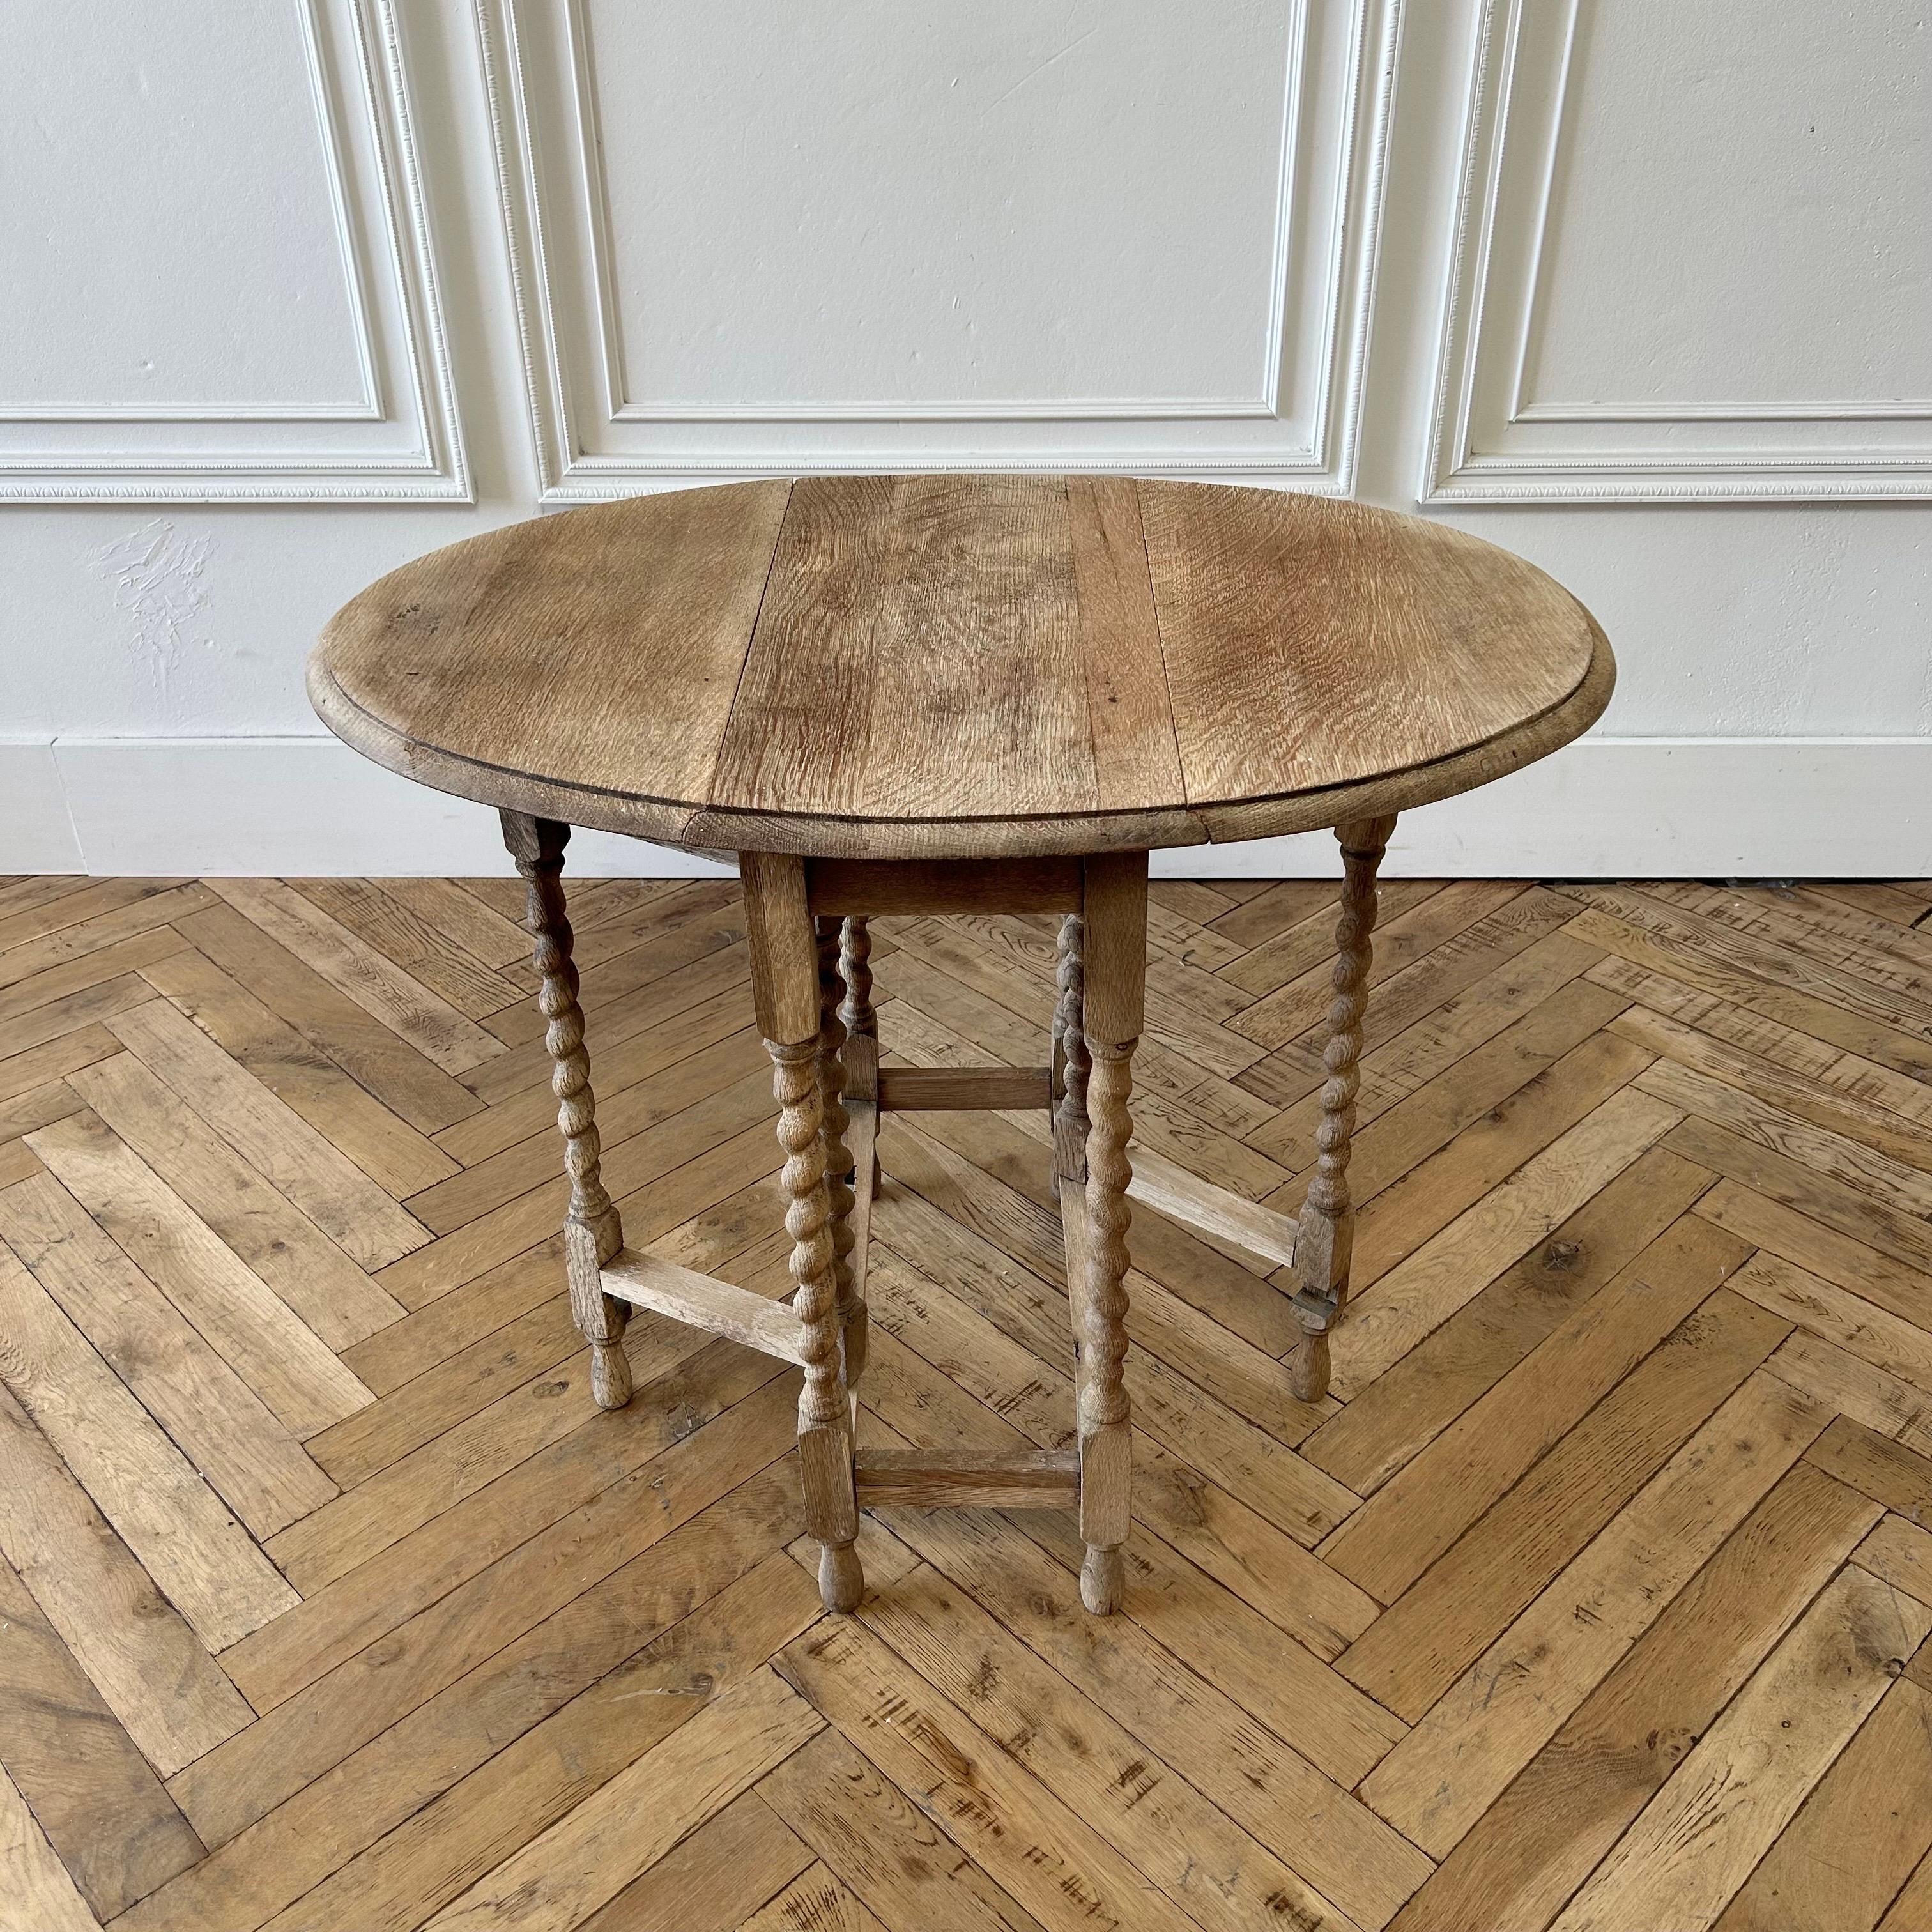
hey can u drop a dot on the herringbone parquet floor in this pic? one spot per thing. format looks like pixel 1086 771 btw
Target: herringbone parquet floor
pixel 1594 1596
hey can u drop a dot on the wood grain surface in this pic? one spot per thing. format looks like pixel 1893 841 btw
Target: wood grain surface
pixel 909 666
pixel 1596 1593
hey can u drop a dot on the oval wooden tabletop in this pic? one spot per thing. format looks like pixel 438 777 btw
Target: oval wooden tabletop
pixel 965 665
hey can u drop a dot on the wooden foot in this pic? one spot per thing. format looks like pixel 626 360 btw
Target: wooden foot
pixel 1324 1237
pixel 841 1578
pixel 593 1234
pixel 1308 1366
pixel 1103 1581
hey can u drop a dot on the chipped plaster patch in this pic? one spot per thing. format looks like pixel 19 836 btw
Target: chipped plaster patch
pixel 158 578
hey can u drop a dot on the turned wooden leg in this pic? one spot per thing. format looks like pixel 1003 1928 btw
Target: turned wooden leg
pixel 1069 1059
pixel 592 1233
pixel 839 1176
pixel 785 986
pixel 862 1024
pixel 1327 1233
pixel 1113 954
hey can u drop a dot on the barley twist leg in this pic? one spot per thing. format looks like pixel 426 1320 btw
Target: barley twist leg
pixel 1070 1058
pixel 1105 1439
pixel 591 1231
pixel 832 1039
pixel 862 1024
pixel 824 1414
pixel 1326 1237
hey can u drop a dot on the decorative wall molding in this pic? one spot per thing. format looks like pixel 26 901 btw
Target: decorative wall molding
pixel 400 440
pixel 1491 442
pixel 1603 808
pixel 594 441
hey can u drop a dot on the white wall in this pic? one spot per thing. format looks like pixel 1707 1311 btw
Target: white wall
pixel 298 289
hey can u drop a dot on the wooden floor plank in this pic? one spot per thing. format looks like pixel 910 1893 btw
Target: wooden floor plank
pixel 622 1064
pixel 1891 903
pixel 253 1462
pixel 96 1798
pixel 1292 1009
pixel 339 1622
pixel 329 1188
pixel 320 1283
pixel 1405 1121
pixel 143 913
pixel 1872 1126
pixel 260 1336
pixel 1900 1234
pixel 341 1710
pixel 1417 1648
pixel 1404 1409
pixel 35 1888
pixel 36 1066
pixel 429 955
pixel 1736 939
pixel 1901 1552
pixel 1027 1839
pixel 1439 1781
pixel 1697 1840
pixel 170 1695
pixel 889 1851
pixel 178 1529
pixel 1853 1387
pixel 1265 1568
pixel 382 989
pixel 621 1112
pixel 1420 1292
pixel 1593 1576
pixel 695 924
pixel 1211 1869
pixel 378 1826
pixel 19 895
pixel 1881 952
pixel 499 1809
pixel 1395 1536
pixel 1810 1244
pixel 1844 1856
pixel 1667 946
pixel 744 1108
pixel 742 1861
pixel 1474 957
pixel 1400 1210
pixel 43 1005
pixel 41 1040
pixel 286 983
pixel 591 1853
pixel 1573 1800
pixel 461 917
pixel 1854 1165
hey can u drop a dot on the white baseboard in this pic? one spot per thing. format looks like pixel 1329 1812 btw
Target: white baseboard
pixel 1605 807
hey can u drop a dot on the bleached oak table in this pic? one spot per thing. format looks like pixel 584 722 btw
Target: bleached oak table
pixel 943 694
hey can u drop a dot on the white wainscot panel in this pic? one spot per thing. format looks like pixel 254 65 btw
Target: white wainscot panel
pixel 1602 807
pixel 218 285
pixel 1693 259
pixel 861 234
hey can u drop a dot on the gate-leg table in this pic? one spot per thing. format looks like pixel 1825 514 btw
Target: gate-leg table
pixel 916 695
